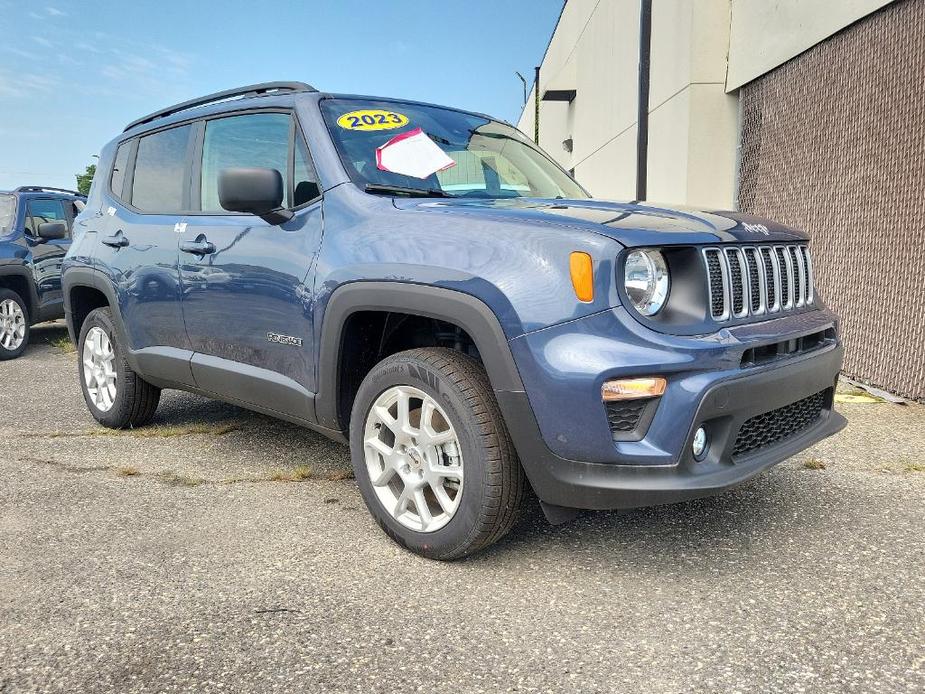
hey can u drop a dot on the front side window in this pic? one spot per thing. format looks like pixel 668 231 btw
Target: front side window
pixel 259 140
pixel 160 171
pixel 119 168
pixel 7 210
pixel 481 158
pixel 41 211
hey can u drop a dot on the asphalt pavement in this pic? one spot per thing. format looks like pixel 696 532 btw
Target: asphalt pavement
pixel 219 550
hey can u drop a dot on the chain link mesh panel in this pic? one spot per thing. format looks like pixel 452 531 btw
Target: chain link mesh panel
pixel 833 142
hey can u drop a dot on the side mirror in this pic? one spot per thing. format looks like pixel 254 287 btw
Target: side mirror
pixel 50 231
pixel 255 191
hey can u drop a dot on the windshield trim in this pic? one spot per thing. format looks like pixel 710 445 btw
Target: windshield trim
pixel 361 183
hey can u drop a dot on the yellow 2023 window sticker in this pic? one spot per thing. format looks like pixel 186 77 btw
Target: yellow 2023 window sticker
pixel 372 119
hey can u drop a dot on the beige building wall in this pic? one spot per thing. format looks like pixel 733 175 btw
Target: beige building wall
pixel 702 51
pixel 767 34
pixel 692 122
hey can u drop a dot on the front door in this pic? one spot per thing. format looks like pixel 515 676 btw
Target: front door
pixel 247 298
pixel 47 255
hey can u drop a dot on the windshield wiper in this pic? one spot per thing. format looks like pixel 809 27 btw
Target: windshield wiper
pixel 402 190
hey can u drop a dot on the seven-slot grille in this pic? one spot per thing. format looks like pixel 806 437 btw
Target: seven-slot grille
pixel 756 280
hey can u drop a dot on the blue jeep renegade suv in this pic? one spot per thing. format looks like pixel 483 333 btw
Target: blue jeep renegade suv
pixel 427 285
pixel 35 233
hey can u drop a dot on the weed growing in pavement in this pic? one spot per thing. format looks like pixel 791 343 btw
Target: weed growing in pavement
pixel 174 479
pixel 63 344
pixel 157 432
pixel 339 475
pixel 297 474
pixel 813 464
pixel 128 471
pixel 915 467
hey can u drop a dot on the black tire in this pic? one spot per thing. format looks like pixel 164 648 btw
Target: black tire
pixel 494 482
pixel 6 354
pixel 136 400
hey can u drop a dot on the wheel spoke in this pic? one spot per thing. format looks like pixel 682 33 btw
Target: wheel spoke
pixel 386 418
pixel 404 413
pixel 420 504
pixel 401 504
pixel 446 503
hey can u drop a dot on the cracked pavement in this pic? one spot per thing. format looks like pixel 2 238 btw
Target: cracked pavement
pixel 180 558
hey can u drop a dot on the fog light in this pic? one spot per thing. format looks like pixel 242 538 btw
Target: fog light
pixel 699 446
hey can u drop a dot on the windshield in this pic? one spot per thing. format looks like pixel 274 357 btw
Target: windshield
pixel 7 209
pixel 411 149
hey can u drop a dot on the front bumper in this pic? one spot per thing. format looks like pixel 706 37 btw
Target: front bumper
pixel 660 468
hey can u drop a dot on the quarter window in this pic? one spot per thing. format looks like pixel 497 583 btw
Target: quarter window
pixel 258 140
pixel 160 171
pixel 305 187
pixel 119 168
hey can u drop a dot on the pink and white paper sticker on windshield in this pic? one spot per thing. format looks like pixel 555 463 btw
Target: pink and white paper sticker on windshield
pixel 412 154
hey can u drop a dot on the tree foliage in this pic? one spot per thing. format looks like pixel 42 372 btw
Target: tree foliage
pixel 85 179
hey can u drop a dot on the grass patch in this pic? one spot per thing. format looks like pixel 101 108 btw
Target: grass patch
pixel 167 432
pixel 161 432
pixel 297 474
pixel 914 467
pixel 340 475
pixel 813 464
pixel 128 471
pixel 63 344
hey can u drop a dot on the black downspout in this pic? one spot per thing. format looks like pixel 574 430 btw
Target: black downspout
pixel 642 116
pixel 536 105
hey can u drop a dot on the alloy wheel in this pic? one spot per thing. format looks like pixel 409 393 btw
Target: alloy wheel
pixel 99 369
pixel 12 325
pixel 413 458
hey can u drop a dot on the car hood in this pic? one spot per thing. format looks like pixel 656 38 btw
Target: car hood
pixel 632 224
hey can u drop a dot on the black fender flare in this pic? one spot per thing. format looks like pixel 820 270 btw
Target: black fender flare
pixel 32 297
pixel 93 279
pixel 466 311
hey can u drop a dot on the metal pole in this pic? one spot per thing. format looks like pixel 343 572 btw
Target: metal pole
pixel 524 80
pixel 642 116
pixel 536 105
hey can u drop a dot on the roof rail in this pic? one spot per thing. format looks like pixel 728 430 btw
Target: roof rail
pixel 42 189
pixel 248 91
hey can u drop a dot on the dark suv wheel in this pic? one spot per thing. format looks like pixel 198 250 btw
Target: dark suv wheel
pixel 118 398
pixel 14 325
pixel 432 456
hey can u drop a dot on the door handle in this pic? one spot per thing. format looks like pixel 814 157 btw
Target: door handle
pixel 117 240
pixel 201 246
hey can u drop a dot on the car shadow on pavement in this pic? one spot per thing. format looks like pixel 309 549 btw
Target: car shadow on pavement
pixel 712 531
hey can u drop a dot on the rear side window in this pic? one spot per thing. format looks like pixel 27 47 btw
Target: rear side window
pixel 160 171
pixel 41 211
pixel 254 140
pixel 119 169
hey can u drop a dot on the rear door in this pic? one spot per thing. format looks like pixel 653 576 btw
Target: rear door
pixel 248 304
pixel 47 256
pixel 148 195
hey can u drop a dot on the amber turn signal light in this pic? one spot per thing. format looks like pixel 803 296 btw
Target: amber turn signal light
pixel 632 388
pixel 582 270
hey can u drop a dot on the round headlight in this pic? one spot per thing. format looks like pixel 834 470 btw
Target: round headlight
pixel 645 276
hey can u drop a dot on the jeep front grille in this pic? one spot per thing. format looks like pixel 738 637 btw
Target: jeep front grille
pixel 757 280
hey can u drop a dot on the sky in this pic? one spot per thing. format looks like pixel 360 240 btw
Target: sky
pixel 73 73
